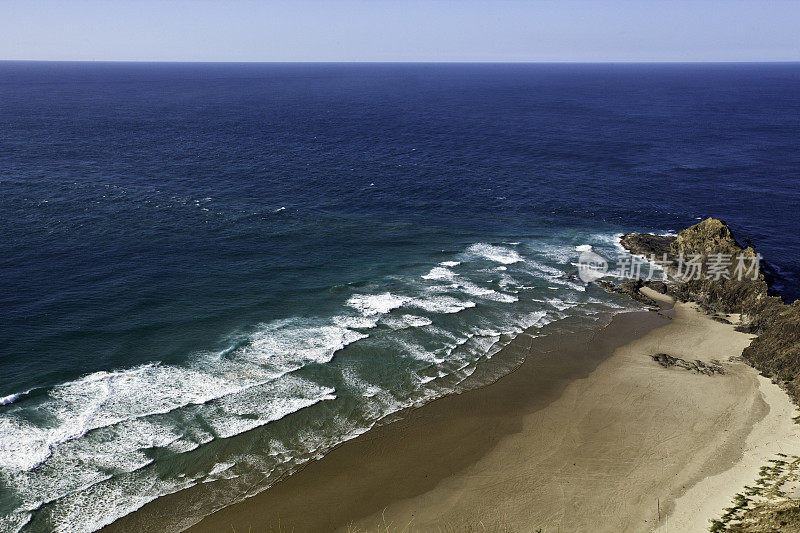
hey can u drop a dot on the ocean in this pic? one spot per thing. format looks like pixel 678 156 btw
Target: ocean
pixel 212 273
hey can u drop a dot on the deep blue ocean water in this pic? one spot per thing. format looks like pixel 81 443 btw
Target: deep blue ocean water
pixel 210 270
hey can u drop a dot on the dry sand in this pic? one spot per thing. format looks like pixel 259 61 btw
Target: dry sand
pixel 591 434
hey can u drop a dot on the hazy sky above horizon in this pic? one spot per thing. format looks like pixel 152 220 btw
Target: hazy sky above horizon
pixel 400 30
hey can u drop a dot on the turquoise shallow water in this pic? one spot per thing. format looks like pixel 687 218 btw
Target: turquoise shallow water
pixel 218 271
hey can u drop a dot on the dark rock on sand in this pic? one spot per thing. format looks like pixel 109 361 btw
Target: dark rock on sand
pixel 696 366
pixel 658 286
pixel 630 288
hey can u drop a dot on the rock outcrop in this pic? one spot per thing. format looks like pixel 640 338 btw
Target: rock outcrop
pixel 646 244
pixel 630 288
pixel 697 366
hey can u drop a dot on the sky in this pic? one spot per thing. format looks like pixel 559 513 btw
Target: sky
pixel 400 30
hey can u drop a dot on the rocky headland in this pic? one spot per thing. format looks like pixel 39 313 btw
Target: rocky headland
pixel 772 502
pixel 776 350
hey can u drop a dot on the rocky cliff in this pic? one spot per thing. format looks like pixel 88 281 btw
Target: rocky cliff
pixel 776 350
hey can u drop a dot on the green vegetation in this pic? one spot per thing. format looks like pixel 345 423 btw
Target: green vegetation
pixel 767 505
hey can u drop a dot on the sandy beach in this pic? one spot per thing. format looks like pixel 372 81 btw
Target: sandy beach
pixel 588 434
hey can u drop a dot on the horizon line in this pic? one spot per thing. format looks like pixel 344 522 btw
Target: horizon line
pixel 410 62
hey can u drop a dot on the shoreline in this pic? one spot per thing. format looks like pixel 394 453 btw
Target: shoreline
pixel 561 358
pixel 652 422
pixel 410 457
pixel 499 456
pixel 645 437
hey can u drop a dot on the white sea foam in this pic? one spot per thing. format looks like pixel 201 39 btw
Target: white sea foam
pixel 441 304
pixel 11 398
pixel 508 283
pixel 14 522
pixel 103 503
pixel 485 293
pixel 558 253
pixel 473 290
pixel 481 345
pixel 416 351
pixel 352 379
pixel 440 273
pixel 287 345
pixel 416 321
pixel 406 321
pixel 99 400
pixel 537 318
pixel 220 468
pixel 257 406
pixel 16 450
pixel 356 322
pixel 450 263
pixel 539 269
pixel 561 305
pixel 80 466
pixel 466 286
pixel 553 275
pixel 498 254
pixel 611 240
pixel 104 422
pixel 371 304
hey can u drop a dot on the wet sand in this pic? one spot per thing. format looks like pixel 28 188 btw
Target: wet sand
pixel 411 457
pixel 616 450
pixel 588 434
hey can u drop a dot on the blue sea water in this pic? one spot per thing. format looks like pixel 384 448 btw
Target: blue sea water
pixel 216 271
